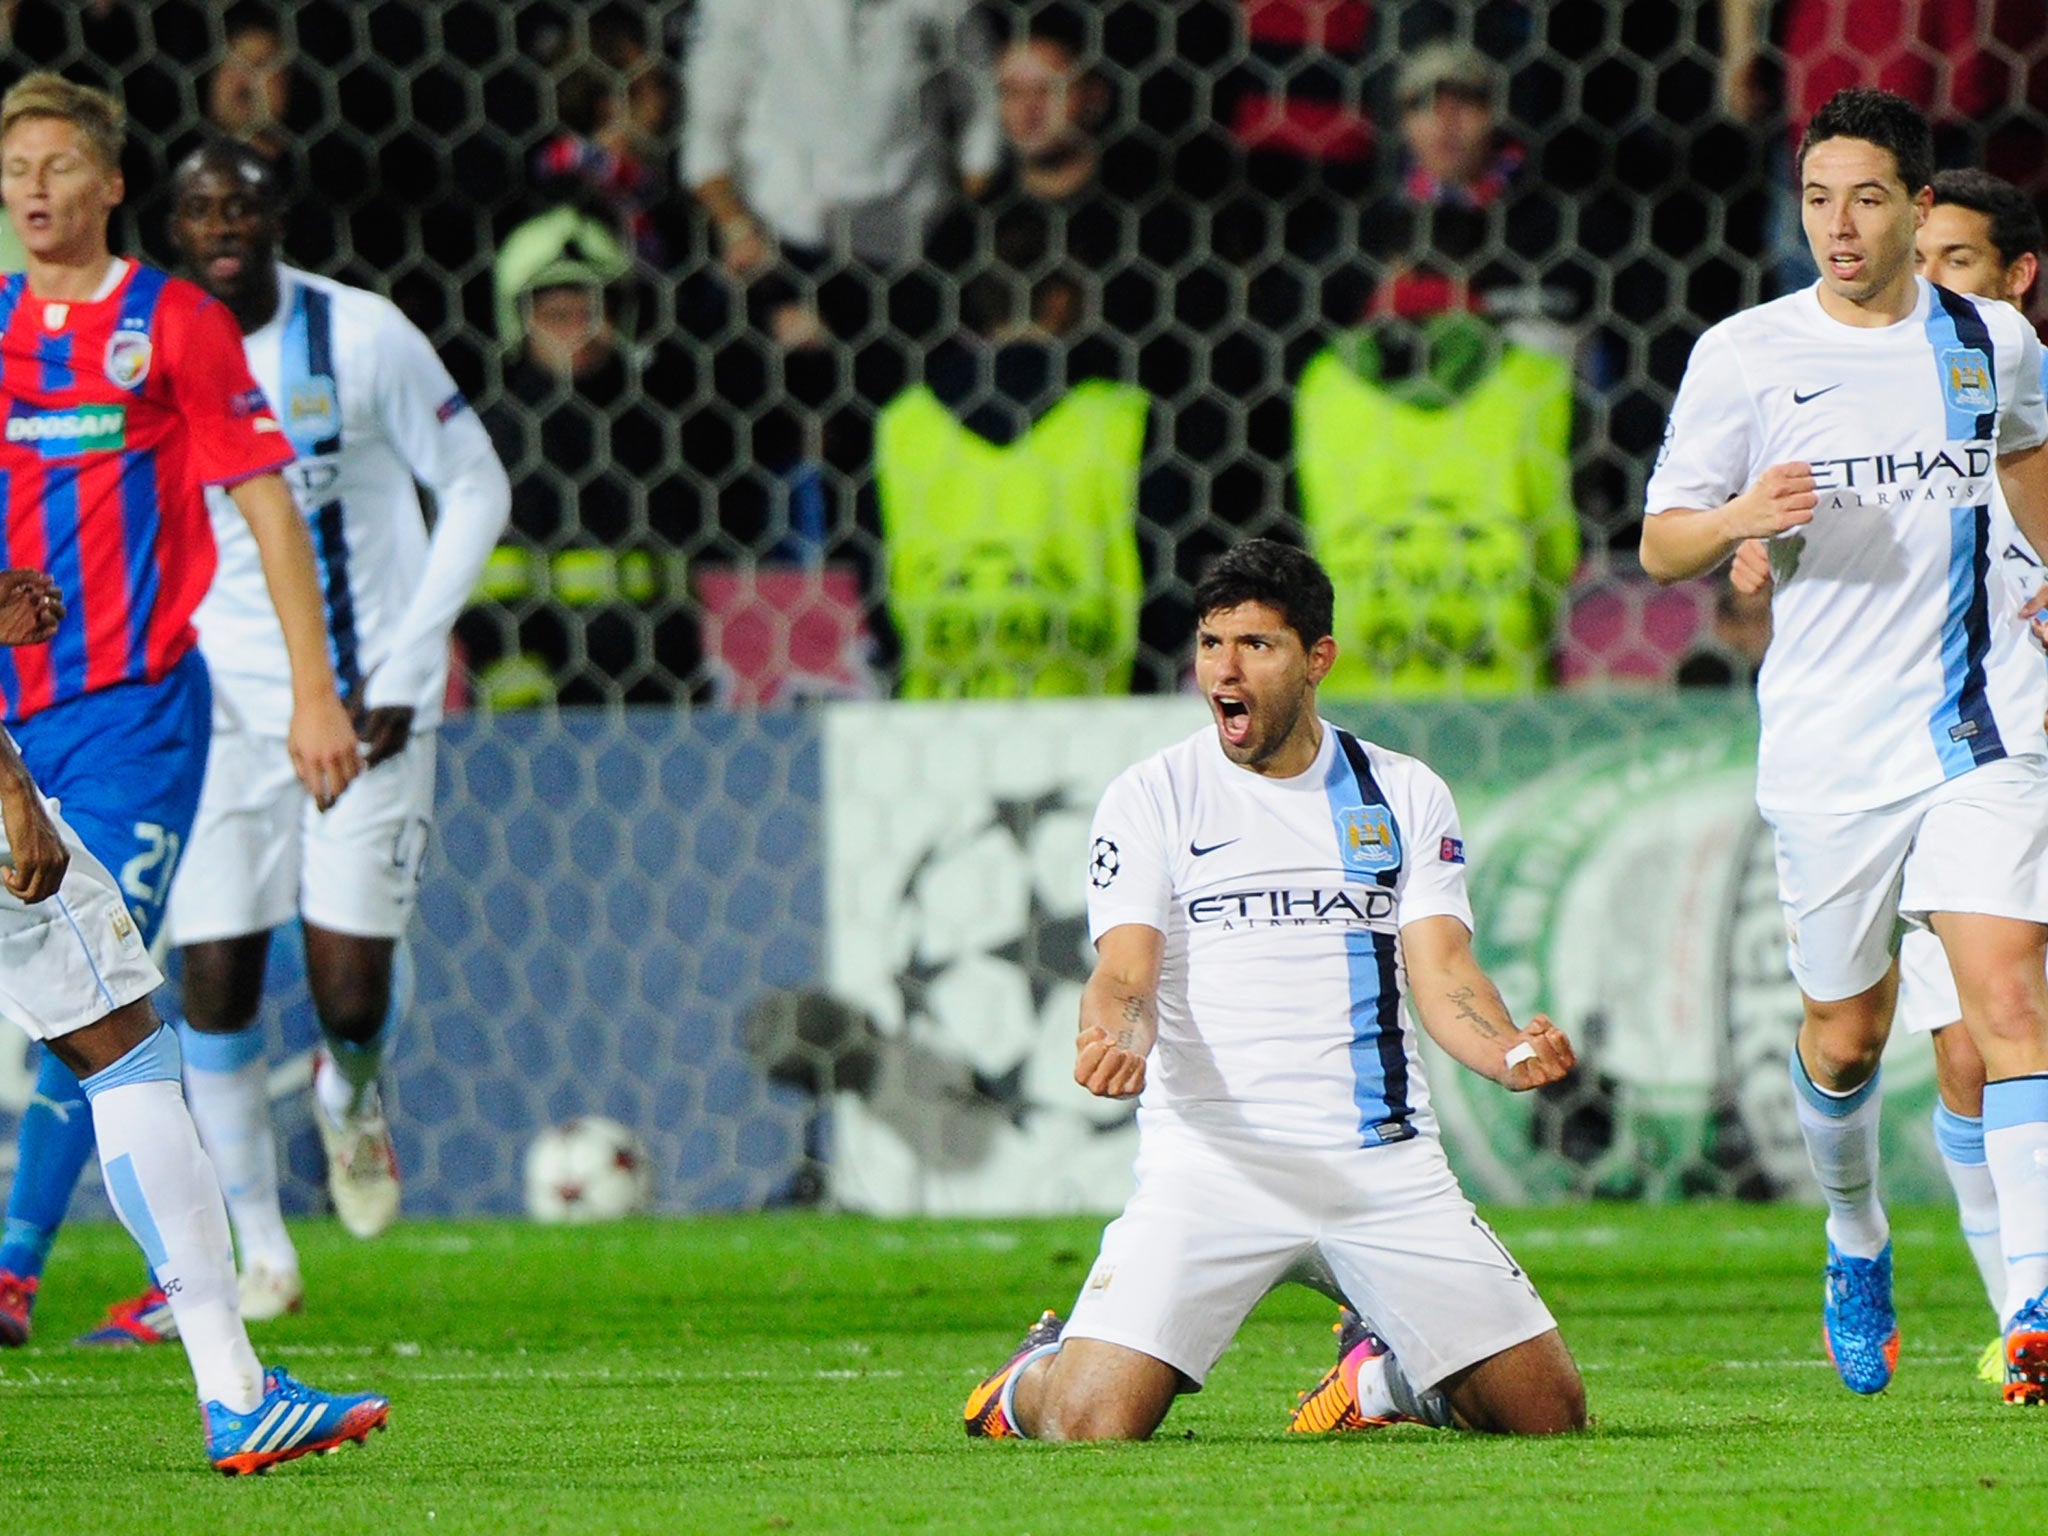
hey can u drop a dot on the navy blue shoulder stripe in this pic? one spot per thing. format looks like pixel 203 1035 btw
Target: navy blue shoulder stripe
pixel 320 355
pixel 1369 792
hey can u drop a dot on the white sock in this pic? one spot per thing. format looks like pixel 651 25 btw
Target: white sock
pixel 1006 1400
pixel 1841 1142
pixel 227 1085
pixel 169 1200
pixel 1961 1141
pixel 1383 1391
pixel 2016 1152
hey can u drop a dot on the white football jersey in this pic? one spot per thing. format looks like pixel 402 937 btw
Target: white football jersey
pixel 368 407
pixel 1282 903
pixel 1895 661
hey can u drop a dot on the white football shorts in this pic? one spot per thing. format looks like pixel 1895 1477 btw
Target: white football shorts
pixel 71 960
pixel 1927 987
pixel 262 852
pixel 1976 843
pixel 1211 1228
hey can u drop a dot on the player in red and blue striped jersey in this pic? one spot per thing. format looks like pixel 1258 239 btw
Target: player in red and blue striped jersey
pixel 123 394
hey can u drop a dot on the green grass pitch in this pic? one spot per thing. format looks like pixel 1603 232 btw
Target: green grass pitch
pixel 805 1373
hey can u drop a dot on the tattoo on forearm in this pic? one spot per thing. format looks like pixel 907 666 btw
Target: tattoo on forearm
pixel 1133 1021
pixel 1463 999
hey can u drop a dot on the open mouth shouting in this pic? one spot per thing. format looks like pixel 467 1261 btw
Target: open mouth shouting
pixel 1233 716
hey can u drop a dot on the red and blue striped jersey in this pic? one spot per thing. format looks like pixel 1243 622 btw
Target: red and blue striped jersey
pixel 118 412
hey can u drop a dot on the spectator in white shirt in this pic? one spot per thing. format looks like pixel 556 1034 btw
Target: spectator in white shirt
pixel 820 126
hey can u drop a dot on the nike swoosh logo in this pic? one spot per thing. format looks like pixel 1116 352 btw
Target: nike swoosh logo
pixel 1198 850
pixel 1799 399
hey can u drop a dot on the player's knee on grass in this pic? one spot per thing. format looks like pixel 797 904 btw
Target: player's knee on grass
pixel 1532 1389
pixel 1096 1391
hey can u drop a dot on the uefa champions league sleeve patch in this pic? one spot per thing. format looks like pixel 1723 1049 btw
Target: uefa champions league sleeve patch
pixel 1103 863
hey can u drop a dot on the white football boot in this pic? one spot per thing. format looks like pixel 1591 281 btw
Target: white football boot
pixel 268 1293
pixel 362 1167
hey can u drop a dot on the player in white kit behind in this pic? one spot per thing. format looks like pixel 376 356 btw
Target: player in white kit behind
pixel 370 409
pixel 1878 430
pixel 1263 898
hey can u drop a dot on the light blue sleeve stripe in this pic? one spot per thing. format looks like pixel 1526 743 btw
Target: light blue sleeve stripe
pixel 86 949
pixel 126 1191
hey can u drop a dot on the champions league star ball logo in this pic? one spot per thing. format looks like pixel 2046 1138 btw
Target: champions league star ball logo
pixel 994 951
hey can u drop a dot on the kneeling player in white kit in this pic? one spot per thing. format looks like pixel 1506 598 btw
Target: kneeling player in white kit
pixel 1263 898
pixel 74 974
pixel 370 408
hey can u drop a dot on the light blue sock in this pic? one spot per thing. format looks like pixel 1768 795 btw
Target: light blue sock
pixel 1960 1140
pixel 2016 1151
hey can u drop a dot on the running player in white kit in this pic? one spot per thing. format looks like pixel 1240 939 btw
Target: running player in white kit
pixel 1877 428
pixel 1263 897
pixel 1983 237
pixel 370 409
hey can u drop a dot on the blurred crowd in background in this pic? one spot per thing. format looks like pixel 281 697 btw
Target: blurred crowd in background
pixel 929 347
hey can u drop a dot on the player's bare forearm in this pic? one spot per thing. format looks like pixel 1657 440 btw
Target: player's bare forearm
pixel 322 739
pixel 1462 1010
pixel 1122 1015
pixel 36 855
pixel 1681 543
pixel 292 577
pixel 2024 478
pixel 1119 1012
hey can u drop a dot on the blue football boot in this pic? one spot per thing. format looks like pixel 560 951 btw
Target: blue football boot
pixel 1862 1329
pixel 293 1420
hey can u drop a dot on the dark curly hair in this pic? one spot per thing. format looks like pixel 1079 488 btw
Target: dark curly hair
pixel 1880 118
pixel 1278 575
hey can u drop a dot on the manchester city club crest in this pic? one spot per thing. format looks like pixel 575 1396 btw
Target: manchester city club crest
pixel 128 356
pixel 1370 841
pixel 312 409
pixel 1966 380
